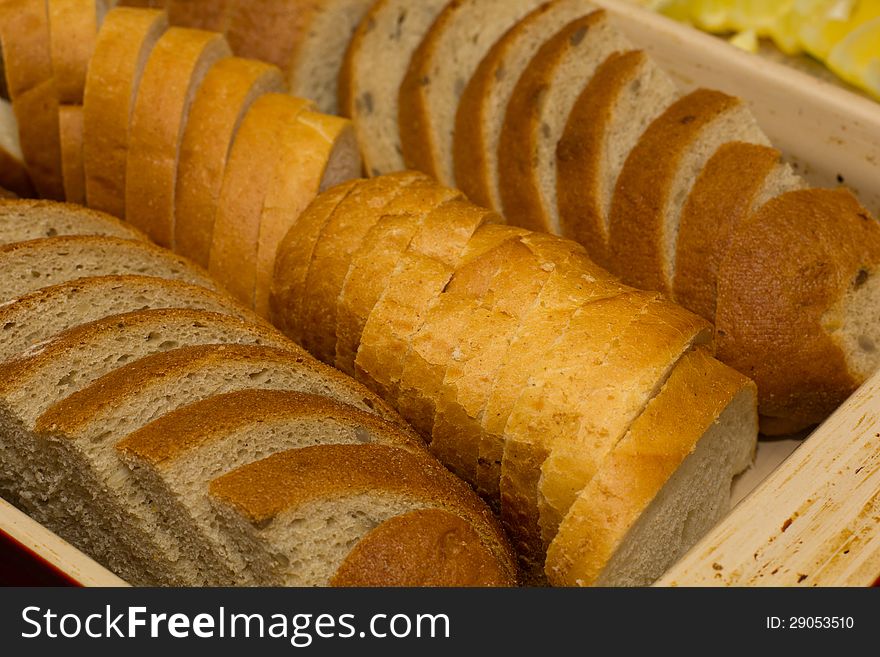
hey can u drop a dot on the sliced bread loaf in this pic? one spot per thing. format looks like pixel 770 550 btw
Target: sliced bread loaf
pixel 219 106
pixel 174 71
pixel 481 110
pixel 40 138
pixel 70 125
pixel 29 266
pixel 73 30
pixel 23 220
pixel 438 73
pixel 373 71
pixel 124 43
pixel 13 172
pixel 640 513
pixel 210 15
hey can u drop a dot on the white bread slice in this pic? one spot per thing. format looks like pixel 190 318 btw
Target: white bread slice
pixel 39 315
pixel 297 527
pixel 13 172
pixel 623 97
pixel 657 177
pixel 124 43
pixel 176 456
pixel 438 73
pixel 664 485
pixel 537 113
pixel 73 30
pixel 220 104
pixel 481 110
pixel 373 71
pixel 22 220
pixel 70 126
pixel 317 152
pixel 176 67
pixel 247 176
pixel 37 113
pixel 373 263
pixel 801 326
pixel 428 547
pixel 27 58
pixel 29 266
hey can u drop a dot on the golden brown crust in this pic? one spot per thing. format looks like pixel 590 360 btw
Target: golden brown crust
pixel 270 29
pixel 126 38
pixel 174 434
pixel 428 547
pixel 37 206
pixel 36 111
pixel 580 153
pixel 221 102
pixel 212 15
pixel 769 316
pixel 73 29
pixel 519 186
pixel 70 122
pixel 722 196
pixel 636 218
pixel 27 59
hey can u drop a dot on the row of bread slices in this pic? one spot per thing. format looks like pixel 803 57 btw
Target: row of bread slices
pixel 202 151
pixel 546 113
pixel 162 427
pixel 592 415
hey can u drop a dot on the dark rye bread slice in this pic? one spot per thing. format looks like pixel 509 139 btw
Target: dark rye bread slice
pixel 282 506
pixel 22 220
pixel 126 38
pixel 373 71
pixel 481 109
pixel 29 266
pixel 735 182
pixel 657 177
pixel 665 484
pixel 438 73
pixel 176 456
pixel 537 113
pixel 41 314
pixel 801 326
pixel 623 97
pixel 428 547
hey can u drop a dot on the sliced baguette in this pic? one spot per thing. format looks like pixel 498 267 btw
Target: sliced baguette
pixel 373 71
pixel 124 43
pixel 70 125
pixel 537 113
pixel 174 71
pixel 176 456
pixel 438 73
pixel 73 30
pixel 640 513
pixel 13 171
pixel 22 220
pixel 480 114
pixel 29 266
pixel 221 102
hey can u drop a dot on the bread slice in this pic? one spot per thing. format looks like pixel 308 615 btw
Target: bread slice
pixel 373 263
pixel 29 266
pixel 481 110
pixel 174 71
pixel 294 256
pixel 626 93
pixel 13 172
pixel 314 503
pixel 657 177
pixel 372 72
pixel 317 152
pixel 334 247
pixel 800 326
pixel 176 456
pixel 27 58
pixel 22 220
pixel 220 104
pixel 723 194
pixel 438 73
pixel 73 30
pixel 38 316
pixel 70 125
pixel 664 485
pixel 210 15
pixel 37 113
pixel 418 279
pixel 537 113
pixel 427 547
pixel 124 43
pixel 248 173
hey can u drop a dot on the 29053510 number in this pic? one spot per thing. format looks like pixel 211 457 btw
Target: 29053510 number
pixel 810 623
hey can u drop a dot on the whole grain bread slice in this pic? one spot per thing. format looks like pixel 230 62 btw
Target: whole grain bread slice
pixel 664 485
pixel 274 509
pixel 176 456
pixel 22 220
pixel 438 73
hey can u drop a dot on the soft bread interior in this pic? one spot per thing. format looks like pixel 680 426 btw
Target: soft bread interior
pixel 22 220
